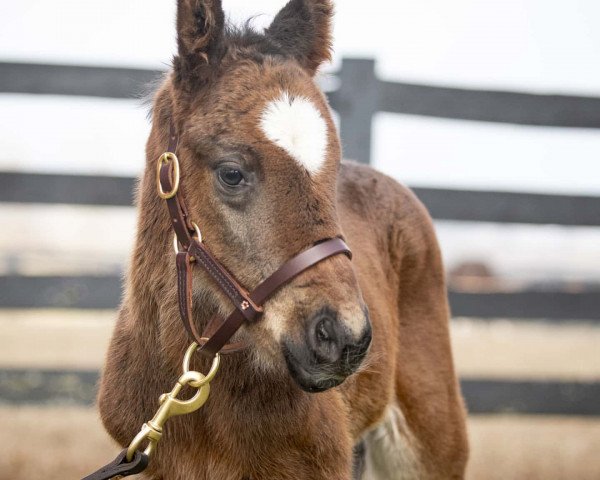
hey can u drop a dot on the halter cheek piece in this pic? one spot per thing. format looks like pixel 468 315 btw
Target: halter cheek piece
pixel 190 249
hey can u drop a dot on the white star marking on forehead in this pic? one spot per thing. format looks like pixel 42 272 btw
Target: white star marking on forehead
pixel 295 124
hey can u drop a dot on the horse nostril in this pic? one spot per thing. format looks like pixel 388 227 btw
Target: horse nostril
pixel 325 337
pixel 331 343
pixel 323 330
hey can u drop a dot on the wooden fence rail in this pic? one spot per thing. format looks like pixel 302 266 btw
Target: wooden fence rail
pixel 443 204
pixel 104 82
pixel 104 292
pixel 34 386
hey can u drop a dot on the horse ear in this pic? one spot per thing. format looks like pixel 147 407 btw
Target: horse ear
pixel 200 25
pixel 302 29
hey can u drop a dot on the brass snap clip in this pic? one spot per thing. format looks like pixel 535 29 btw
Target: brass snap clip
pixel 171 406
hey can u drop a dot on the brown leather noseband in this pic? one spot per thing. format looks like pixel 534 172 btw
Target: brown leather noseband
pixel 191 249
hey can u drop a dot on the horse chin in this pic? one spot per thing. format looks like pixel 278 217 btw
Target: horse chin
pixel 310 378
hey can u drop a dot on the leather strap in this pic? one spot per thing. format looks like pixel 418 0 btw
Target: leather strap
pixel 296 265
pixel 282 276
pixel 211 329
pixel 120 467
pixel 236 293
pixel 184 289
pixel 184 231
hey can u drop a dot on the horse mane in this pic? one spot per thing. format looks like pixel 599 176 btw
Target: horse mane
pixel 244 41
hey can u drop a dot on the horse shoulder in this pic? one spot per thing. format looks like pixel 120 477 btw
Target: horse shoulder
pixel 388 214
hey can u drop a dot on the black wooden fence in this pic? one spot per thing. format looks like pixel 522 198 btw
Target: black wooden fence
pixel 360 96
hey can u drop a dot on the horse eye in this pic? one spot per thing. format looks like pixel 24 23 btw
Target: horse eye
pixel 231 176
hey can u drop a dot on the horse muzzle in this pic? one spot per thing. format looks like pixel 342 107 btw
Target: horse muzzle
pixel 329 354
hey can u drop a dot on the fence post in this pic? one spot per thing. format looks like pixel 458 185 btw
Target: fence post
pixel 357 103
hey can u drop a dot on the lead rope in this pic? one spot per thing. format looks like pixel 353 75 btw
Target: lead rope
pixel 248 307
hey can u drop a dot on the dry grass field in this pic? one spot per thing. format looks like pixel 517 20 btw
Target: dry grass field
pixel 57 443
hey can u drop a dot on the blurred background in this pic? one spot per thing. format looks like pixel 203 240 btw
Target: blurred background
pixel 489 110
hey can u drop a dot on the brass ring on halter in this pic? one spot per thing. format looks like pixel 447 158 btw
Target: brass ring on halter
pixel 164 159
pixel 213 368
pixel 198 237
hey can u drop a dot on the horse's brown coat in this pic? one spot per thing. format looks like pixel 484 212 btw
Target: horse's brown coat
pixel 257 423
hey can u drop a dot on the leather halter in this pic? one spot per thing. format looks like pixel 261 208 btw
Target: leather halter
pixel 248 305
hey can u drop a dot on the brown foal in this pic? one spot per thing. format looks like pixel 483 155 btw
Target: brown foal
pixel 348 373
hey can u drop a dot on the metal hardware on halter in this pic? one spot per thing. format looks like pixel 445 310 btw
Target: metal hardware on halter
pixel 171 406
pixel 188 358
pixel 176 241
pixel 164 159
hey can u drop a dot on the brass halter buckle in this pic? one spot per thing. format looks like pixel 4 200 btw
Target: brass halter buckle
pixel 198 234
pixel 165 159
